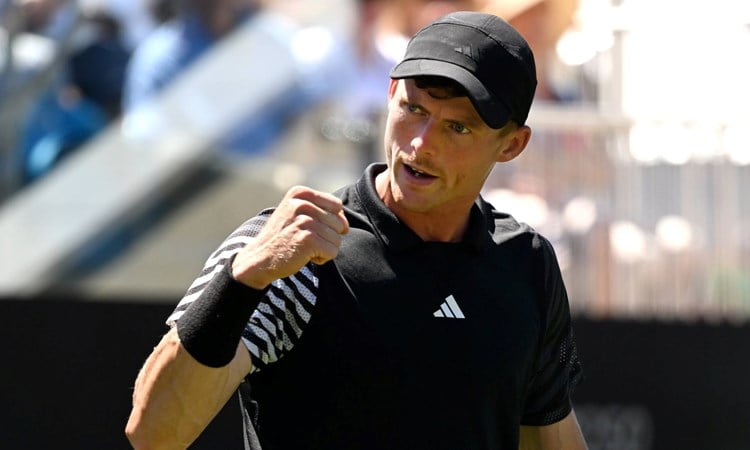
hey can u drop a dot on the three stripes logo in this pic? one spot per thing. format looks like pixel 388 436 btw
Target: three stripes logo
pixel 465 50
pixel 449 309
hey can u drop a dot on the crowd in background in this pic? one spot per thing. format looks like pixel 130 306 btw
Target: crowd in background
pixel 69 69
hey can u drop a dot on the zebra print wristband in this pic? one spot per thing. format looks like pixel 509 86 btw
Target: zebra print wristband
pixel 212 326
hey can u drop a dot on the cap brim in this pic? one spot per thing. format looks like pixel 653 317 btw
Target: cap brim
pixel 491 110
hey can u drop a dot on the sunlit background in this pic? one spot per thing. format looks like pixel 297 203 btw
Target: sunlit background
pixel 638 169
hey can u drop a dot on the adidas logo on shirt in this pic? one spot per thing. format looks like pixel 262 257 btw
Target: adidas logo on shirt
pixel 449 309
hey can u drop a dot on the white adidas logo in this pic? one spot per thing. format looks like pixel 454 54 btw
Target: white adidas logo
pixel 449 309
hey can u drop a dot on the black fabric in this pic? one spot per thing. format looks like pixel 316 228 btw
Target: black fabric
pixel 558 369
pixel 376 369
pixel 249 409
pixel 485 55
pixel 212 326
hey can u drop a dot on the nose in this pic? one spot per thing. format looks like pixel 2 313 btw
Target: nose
pixel 422 141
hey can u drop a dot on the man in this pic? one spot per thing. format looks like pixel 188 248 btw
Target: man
pixel 404 312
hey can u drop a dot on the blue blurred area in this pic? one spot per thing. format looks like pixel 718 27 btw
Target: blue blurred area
pixel 644 202
pixel 56 127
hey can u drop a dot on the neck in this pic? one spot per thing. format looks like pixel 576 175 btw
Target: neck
pixel 437 227
pixel 448 224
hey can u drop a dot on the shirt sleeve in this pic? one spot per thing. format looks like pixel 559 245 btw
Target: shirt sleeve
pixel 558 368
pixel 279 320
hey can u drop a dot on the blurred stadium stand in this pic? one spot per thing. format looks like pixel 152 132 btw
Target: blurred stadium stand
pixel 646 203
pixel 638 173
pixel 101 195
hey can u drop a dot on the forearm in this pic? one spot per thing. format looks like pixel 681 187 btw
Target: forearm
pixel 563 435
pixel 176 397
pixel 199 364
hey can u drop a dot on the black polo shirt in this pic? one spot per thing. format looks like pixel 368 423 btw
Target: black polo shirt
pixel 404 344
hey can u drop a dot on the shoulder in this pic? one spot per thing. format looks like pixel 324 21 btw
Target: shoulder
pixel 152 64
pixel 159 43
pixel 353 207
pixel 519 241
pixel 346 193
pixel 504 228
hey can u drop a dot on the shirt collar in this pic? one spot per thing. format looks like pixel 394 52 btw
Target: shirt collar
pixel 398 236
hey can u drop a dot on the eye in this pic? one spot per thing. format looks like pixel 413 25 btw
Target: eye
pixel 413 108
pixel 459 128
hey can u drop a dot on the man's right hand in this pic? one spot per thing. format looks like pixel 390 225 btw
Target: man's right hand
pixel 307 225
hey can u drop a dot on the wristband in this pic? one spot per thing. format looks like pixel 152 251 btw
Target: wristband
pixel 212 325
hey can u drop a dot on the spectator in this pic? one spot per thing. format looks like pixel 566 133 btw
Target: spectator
pixel 190 30
pixel 196 26
pixel 82 99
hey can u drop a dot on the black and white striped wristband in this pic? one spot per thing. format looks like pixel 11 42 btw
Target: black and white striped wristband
pixel 212 326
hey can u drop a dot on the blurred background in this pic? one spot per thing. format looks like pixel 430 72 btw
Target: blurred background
pixel 136 134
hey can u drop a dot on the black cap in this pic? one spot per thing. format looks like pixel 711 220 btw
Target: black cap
pixel 485 55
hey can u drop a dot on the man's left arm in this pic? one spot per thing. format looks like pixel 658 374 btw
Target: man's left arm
pixel 563 435
pixel 549 422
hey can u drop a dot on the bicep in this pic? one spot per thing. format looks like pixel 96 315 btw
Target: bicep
pixel 176 397
pixel 563 435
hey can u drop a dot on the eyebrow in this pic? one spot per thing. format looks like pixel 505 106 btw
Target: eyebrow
pixel 473 121
pixel 470 119
pixel 414 94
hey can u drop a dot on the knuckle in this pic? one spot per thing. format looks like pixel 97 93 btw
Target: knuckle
pixel 304 221
pixel 296 191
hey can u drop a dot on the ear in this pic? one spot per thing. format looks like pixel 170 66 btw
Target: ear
pixel 514 143
pixel 392 88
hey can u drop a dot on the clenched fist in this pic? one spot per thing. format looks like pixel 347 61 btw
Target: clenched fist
pixel 306 226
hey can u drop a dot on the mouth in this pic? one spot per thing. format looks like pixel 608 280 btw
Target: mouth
pixel 416 173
